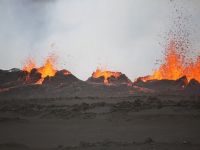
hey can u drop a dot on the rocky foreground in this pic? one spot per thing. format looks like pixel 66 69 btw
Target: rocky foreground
pixel 133 122
pixel 66 113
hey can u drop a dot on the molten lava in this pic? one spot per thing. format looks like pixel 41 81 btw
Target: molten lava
pixel 106 74
pixel 29 65
pixel 175 67
pixel 48 69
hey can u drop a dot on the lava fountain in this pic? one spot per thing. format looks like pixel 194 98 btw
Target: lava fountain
pixel 176 66
pixel 29 65
pixel 105 74
pixel 48 69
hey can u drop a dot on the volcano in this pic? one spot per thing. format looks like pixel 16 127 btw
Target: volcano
pixel 108 77
pixel 47 73
pixel 163 85
pixel 177 72
pixel 36 81
pixel 19 83
pixel 176 65
pixel 48 69
pixel 61 77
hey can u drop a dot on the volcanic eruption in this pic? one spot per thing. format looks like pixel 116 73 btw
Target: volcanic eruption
pixel 177 61
pixel 47 73
pixel 176 66
pixel 48 69
pixel 108 77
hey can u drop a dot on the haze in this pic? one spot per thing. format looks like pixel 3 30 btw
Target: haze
pixel 121 35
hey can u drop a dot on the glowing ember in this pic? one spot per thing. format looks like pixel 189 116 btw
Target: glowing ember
pixel 48 69
pixel 106 74
pixel 177 61
pixel 29 65
pixel 175 67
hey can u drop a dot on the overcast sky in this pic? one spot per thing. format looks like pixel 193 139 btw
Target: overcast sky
pixel 121 35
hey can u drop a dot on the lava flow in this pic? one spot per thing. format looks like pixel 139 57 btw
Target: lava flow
pixel 48 69
pixel 175 66
pixel 106 74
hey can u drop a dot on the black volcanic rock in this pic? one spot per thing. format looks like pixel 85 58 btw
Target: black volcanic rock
pixel 193 83
pixel 183 81
pixel 193 87
pixel 61 77
pixel 163 85
pixel 33 76
pixel 96 80
pixel 12 77
pixel 122 79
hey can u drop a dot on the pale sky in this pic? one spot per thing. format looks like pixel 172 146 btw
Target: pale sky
pixel 121 35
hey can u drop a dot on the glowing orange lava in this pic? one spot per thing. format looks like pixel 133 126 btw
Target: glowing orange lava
pixel 175 67
pixel 106 74
pixel 29 65
pixel 48 69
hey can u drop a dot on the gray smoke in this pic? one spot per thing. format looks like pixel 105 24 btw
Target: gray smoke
pixel 121 35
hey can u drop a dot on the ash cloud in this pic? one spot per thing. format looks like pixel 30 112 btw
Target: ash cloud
pixel 121 35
